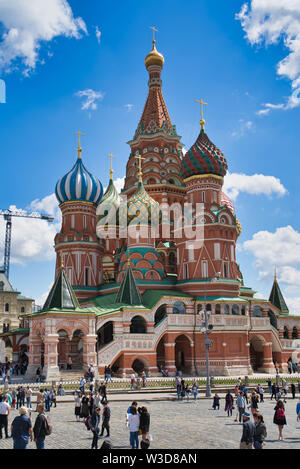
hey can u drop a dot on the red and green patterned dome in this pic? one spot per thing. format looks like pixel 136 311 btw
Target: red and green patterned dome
pixel 204 158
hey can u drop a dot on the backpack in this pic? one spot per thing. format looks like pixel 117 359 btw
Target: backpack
pixel 48 426
pixel 280 414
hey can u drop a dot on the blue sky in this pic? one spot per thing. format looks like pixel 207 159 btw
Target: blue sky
pixel 207 55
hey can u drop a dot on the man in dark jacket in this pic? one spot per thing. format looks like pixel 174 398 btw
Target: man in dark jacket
pixel 105 419
pixel 94 424
pixel 39 429
pixel 248 432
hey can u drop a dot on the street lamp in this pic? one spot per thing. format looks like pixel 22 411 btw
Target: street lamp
pixel 206 329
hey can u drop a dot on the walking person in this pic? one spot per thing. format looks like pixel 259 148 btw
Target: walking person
pixel 273 391
pixel 84 410
pixel 132 380
pixel 187 392
pixel 178 388
pixel 53 396
pixel 39 398
pixel 298 410
pixel 28 396
pixel 40 429
pixel 195 390
pixel 293 390
pixel 4 413
pixel 47 400
pixel 77 399
pixel 95 423
pixel 260 432
pixel 182 389
pixel 248 432
pixel 229 401
pixel 144 421
pixel 254 403
pixel 279 418
pixel 240 403
pixel 105 419
pixel 134 425
pixel 102 392
pixel 13 398
pixel 21 430
pixel 216 402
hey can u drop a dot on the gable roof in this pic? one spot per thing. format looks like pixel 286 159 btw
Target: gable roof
pixel 276 298
pixel 61 295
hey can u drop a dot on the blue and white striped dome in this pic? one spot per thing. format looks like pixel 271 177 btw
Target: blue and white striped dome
pixel 79 184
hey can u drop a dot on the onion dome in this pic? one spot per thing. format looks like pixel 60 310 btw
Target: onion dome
pixel 142 209
pixel 225 200
pixel 109 204
pixel 79 185
pixel 204 158
pixel 238 227
pixel 154 58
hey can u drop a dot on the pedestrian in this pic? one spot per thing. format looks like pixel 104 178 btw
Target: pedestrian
pixel 260 432
pixel 41 428
pixel 28 395
pixel 279 418
pixel 39 398
pixel 38 375
pixel 269 383
pixel 82 383
pixel 53 396
pixel 178 388
pixel 134 404
pixel 254 403
pixel 105 419
pixel 84 410
pixel 298 410
pixel 273 391
pixel 144 421
pixel 102 391
pixel 195 388
pixel 21 430
pixel 134 425
pixel 77 399
pixel 216 402
pixel 229 400
pixel 47 400
pixel 69 364
pixel 293 390
pixel 132 380
pixel 91 403
pixel 94 425
pixel 260 392
pixel 97 400
pixel 248 432
pixel 13 398
pixel 108 374
pixel 144 379
pixel 182 389
pixel 187 392
pixel 240 403
pixel 244 389
pixel 4 413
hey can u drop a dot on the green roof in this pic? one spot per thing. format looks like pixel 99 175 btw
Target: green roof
pixel 128 292
pixel 61 295
pixel 276 298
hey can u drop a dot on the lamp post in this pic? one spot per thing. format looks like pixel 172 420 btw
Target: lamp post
pixel 207 328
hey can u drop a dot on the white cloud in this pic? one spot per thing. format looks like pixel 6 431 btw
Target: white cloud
pixel 98 34
pixel 257 184
pixel 129 107
pixel 28 25
pixel 90 99
pixel 269 21
pixel 244 127
pixel 119 184
pixel 32 239
pixel 293 305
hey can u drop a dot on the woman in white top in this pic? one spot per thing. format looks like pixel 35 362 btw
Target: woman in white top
pixel 134 424
pixel 77 399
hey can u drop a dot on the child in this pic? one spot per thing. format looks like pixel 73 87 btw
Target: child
pixel 216 402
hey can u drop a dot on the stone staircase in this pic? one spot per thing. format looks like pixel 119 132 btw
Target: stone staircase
pixel 71 375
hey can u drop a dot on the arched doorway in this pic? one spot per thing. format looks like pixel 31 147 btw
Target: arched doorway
pixel 160 314
pixel 139 365
pixel 105 335
pixel 8 350
pixel 62 348
pixel 160 354
pixel 138 325
pixel 183 354
pixel 256 352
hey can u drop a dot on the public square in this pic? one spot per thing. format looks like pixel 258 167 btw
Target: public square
pixel 174 425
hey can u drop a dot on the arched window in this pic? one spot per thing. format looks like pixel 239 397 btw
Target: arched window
pixel 235 309
pixel 285 333
pixel 160 314
pixel 208 307
pixel 295 333
pixel 138 325
pixel 172 258
pixel 22 309
pixel 226 309
pixel 218 309
pixel 257 313
pixel 179 308
pixel 6 307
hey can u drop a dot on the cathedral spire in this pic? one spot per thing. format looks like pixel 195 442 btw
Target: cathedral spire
pixel 276 297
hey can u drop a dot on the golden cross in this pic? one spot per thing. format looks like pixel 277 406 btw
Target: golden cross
pixel 202 122
pixel 140 166
pixel 154 31
pixel 79 147
pixel 111 172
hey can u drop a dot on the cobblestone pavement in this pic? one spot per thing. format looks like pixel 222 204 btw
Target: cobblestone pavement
pixel 174 425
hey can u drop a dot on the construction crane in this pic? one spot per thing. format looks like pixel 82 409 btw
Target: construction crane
pixel 7 215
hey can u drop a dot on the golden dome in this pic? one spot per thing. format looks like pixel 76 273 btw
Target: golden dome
pixel 154 58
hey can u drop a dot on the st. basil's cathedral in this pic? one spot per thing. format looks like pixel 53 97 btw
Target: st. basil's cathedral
pixel 136 301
